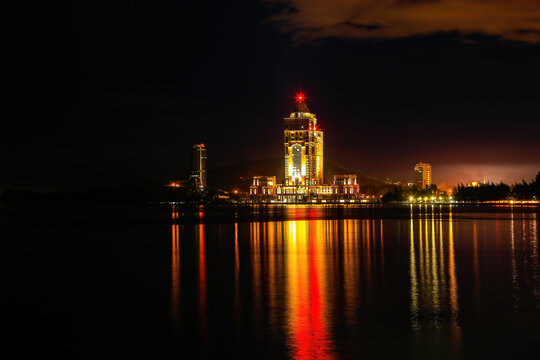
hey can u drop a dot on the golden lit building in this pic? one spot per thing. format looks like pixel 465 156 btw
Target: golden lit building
pixel 422 175
pixel 304 180
pixel 346 185
pixel 303 145
pixel 198 166
pixel 263 185
pixel 197 179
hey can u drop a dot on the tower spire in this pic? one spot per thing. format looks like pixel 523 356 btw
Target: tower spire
pixel 301 105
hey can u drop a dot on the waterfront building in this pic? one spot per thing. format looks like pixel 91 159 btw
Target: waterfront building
pixel 323 191
pixel 304 177
pixel 198 166
pixel 303 146
pixel 346 185
pixel 263 186
pixel 292 193
pixel 422 175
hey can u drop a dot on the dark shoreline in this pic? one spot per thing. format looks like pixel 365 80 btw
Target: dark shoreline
pixel 142 215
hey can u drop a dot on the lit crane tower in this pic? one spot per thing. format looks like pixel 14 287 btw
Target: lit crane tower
pixel 303 144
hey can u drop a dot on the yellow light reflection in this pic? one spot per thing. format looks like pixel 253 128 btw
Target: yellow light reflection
pixel 237 303
pixel 306 291
pixel 350 263
pixel 202 280
pixel 475 264
pixel 433 281
pixel 256 263
pixel 412 273
pixel 270 250
pixel 453 287
pixel 175 268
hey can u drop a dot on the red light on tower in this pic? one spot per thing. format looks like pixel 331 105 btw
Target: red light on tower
pixel 300 97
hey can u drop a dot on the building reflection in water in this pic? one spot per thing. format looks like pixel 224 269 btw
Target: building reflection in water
pixel 308 280
pixel 294 268
pixel 202 321
pixel 175 269
pixel 524 264
pixel 534 257
pixel 236 269
pixel 307 259
pixel 432 271
pixel 307 310
pixel 256 268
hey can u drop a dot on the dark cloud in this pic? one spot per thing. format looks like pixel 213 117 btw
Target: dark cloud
pixel 317 19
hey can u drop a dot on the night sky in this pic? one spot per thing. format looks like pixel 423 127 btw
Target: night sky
pixel 110 93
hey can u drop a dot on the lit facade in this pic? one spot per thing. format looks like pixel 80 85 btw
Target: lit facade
pixel 263 186
pixel 422 175
pixel 303 146
pixel 346 185
pixel 198 166
pixel 304 177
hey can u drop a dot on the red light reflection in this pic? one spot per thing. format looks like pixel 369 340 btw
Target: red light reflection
pixel 202 280
pixel 307 292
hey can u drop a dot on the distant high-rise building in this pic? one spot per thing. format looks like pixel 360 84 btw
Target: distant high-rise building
pixel 198 166
pixel 422 175
pixel 303 144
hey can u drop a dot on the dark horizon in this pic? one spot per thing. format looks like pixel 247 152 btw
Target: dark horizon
pixel 109 95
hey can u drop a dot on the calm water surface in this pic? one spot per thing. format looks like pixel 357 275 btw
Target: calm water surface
pixel 299 282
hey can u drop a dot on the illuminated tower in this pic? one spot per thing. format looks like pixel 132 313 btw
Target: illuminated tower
pixel 303 144
pixel 198 166
pixel 422 175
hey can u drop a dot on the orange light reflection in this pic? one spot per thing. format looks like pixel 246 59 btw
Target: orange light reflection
pixel 175 286
pixel 306 290
pixel 202 281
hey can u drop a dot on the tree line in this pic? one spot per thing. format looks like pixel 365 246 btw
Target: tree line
pixel 501 191
pixel 399 194
pixel 482 192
